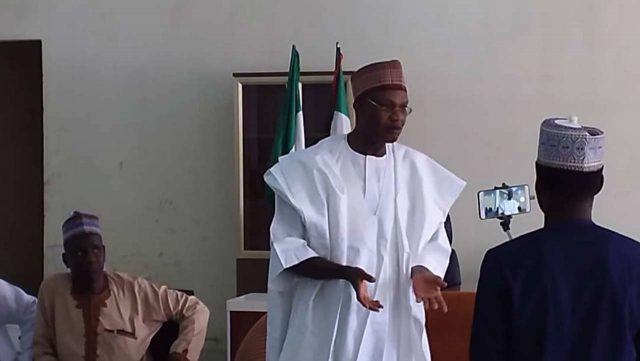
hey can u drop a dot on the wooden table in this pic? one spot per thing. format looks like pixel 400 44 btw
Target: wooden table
pixel 242 313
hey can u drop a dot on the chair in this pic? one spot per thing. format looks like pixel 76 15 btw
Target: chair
pixel 160 345
pixel 450 333
pixel 254 345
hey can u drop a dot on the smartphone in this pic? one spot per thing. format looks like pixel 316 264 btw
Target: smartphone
pixel 511 201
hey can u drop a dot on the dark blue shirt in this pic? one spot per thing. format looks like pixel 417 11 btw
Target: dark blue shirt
pixel 565 292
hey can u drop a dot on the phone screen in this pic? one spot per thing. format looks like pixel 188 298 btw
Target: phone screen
pixel 494 203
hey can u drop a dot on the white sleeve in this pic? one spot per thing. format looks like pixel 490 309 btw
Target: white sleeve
pixel 18 308
pixel 288 235
pixel 434 254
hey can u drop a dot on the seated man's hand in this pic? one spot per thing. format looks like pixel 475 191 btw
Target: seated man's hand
pixel 176 356
pixel 427 288
pixel 358 279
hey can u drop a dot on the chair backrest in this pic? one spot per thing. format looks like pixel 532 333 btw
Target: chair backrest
pixel 254 345
pixel 450 333
pixel 160 345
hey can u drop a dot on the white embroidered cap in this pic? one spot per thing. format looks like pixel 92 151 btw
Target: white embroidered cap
pixel 565 144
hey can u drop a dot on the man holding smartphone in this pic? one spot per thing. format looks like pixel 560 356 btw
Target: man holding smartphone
pixel 568 291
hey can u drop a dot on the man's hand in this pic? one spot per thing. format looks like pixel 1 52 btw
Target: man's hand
pixel 176 356
pixel 358 279
pixel 427 288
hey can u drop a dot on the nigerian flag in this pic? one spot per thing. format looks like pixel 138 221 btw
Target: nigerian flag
pixel 340 123
pixel 289 135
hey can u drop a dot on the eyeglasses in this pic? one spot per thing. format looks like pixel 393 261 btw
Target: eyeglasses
pixel 404 110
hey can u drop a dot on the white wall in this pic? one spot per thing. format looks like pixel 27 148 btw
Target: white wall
pixel 139 109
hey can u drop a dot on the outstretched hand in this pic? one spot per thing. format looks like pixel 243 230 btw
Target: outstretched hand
pixel 427 288
pixel 359 279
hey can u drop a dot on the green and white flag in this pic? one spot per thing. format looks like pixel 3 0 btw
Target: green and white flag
pixel 289 134
pixel 340 123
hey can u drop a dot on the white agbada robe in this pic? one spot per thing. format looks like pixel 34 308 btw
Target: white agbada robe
pixel 509 207
pixel 17 320
pixel 381 214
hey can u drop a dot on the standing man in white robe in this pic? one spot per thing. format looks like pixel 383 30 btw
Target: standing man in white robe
pixel 358 246
pixel 17 309
pixel 509 206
